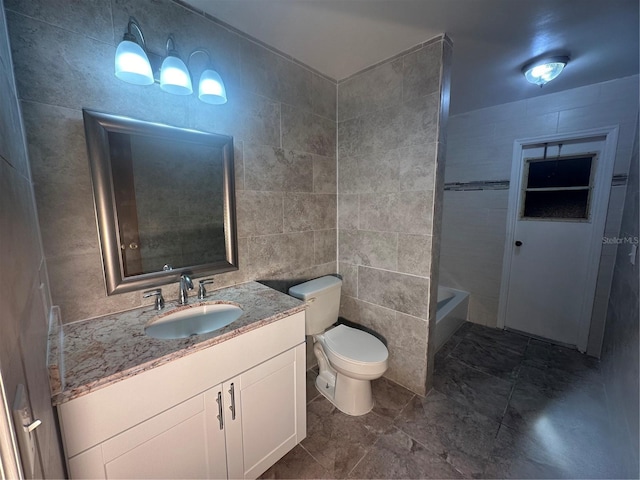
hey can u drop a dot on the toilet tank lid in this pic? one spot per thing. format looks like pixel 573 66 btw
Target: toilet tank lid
pixel 312 288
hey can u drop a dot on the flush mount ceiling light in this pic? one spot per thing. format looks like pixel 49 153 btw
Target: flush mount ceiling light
pixel 135 64
pixel 544 70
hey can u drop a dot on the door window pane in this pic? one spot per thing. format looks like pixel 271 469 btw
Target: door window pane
pixel 570 172
pixel 557 204
pixel 558 188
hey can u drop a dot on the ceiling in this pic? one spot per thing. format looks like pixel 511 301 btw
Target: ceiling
pixel 492 39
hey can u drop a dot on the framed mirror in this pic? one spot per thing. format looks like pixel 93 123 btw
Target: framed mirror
pixel 165 201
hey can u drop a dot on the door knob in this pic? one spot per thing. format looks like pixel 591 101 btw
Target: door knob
pixel 518 243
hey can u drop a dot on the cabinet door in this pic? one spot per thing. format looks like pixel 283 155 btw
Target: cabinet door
pixel 269 406
pixel 182 442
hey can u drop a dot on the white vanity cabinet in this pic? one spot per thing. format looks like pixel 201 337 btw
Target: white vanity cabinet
pixel 228 411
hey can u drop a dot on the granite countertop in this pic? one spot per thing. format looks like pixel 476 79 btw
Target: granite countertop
pixel 91 354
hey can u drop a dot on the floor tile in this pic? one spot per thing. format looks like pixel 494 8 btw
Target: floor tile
pixel 389 398
pixel 515 455
pixel 338 441
pixel 298 463
pixel 549 452
pixel 491 358
pixel 556 356
pixel 553 414
pixel 475 389
pixel 312 391
pixel 455 432
pixel 397 455
pixel 447 348
pixel 540 388
pixel 494 336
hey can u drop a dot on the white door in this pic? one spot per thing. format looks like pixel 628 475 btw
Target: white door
pixel 549 281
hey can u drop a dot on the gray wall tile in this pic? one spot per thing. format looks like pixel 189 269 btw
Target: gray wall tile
pixel 387 175
pixel 306 132
pixel 414 254
pixel 309 211
pixel 258 82
pixel 245 116
pixel 349 274
pixel 404 293
pixel 374 249
pixel 324 244
pixel 323 97
pixel 11 139
pixel 406 212
pixel 372 90
pixel 421 72
pixel 348 212
pixel 269 74
pixel 91 18
pixel 324 174
pixel 279 254
pixel 275 169
pixel 259 213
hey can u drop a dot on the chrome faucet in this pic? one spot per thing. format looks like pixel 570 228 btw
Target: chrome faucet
pixel 185 285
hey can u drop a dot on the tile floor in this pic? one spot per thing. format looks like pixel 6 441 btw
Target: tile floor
pixel 503 406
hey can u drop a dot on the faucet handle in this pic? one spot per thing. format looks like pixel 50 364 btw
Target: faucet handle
pixel 159 305
pixel 202 292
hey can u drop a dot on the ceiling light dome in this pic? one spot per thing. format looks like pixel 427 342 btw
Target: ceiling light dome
pixel 544 70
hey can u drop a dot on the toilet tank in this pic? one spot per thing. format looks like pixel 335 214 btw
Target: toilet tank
pixel 323 297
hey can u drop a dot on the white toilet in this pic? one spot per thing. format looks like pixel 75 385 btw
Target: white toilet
pixel 348 358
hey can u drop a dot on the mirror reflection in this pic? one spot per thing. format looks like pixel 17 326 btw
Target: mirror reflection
pixel 170 211
pixel 164 198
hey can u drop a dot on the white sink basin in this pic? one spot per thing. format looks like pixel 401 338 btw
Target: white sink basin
pixel 193 321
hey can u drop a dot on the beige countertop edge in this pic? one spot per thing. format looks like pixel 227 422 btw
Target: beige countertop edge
pixel 59 395
pixel 54 351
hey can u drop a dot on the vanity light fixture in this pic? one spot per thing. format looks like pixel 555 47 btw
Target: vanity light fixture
pixel 132 62
pixel 135 64
pixel 210 87
pixel 544 70
pixel 174 74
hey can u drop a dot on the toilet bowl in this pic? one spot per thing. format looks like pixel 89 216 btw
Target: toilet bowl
pixel 348 358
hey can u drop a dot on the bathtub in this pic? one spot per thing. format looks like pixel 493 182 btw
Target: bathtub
pixel 451 313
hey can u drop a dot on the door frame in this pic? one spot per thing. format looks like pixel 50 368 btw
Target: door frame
pixel 599 202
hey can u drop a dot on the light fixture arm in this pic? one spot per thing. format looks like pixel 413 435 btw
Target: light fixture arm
pixel 200 50
pixel 171 50
pixel 131 37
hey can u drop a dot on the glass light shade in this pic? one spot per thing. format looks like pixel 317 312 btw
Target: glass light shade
pixel 132 64
pixel 211 88
pixel 175 77
pixel 541 73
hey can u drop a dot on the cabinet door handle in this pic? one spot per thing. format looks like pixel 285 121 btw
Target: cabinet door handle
pixel 232 392
pixel 219 400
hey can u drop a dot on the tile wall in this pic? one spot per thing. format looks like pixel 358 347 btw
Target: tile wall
pixel 391 123
pixel 479 153
pixel 24 289
pixel 281 115
pixel 620 350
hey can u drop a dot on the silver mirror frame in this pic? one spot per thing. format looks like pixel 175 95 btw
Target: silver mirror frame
pixel 97 127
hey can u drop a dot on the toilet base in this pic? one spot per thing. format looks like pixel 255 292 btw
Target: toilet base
pixel 349 395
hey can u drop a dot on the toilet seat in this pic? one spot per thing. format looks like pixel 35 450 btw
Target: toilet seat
pixel 354 350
